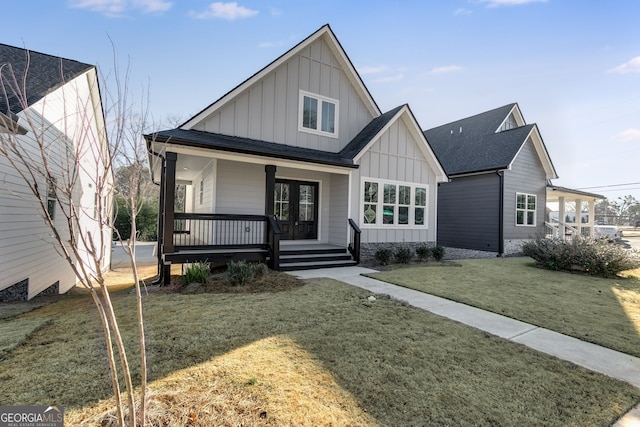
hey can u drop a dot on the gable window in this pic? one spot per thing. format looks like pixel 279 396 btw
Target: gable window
pixel 51 197
pixel 397 204
pixel 510 123
pixel 318 114
pixel 526 209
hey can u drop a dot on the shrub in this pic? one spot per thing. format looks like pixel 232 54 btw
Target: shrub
pixel 260 270
pixel 383 256
pixel 196 273
pixel 438 252
pixel 423 252
pixel 404 255
pixel 240 273
pixel 595 257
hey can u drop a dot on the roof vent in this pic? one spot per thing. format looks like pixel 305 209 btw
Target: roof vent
pixel 460 129
pixel 451 131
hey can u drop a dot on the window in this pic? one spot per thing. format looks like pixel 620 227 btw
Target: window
pixel 510 123
pixel 399 204
pixel 526 209
pixel 318 114
pixel 201 191
pixel 51 197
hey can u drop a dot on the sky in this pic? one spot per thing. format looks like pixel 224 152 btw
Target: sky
pixel 573 66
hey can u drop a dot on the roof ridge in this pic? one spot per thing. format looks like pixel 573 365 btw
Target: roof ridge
pixel 493 110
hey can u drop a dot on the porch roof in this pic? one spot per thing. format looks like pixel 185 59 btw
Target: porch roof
pixel 235 144
pixel 554 192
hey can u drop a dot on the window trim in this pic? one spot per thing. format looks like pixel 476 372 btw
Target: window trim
pixel 52 197
pixel 526 210
pixel 380 203
pixel 320 100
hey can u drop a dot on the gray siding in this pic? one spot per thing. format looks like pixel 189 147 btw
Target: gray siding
pixel 468 212
pixel 268 110
pixel 338 211
pixel 525 176
pixel 240 188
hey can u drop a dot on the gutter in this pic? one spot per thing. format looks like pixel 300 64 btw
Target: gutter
pixel 500 174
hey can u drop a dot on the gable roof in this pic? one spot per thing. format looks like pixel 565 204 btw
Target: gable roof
pixel 329 37
pixel 43 74
pixel 474 145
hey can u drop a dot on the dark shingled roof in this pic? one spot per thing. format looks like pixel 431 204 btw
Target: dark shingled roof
pixel 44 74
pixel 235 144
pixel 478 148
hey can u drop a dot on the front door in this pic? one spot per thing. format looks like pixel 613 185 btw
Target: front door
pixel 296 208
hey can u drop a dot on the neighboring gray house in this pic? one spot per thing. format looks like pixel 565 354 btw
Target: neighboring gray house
pixel 499 169
pixel 59 106
pixel 293 166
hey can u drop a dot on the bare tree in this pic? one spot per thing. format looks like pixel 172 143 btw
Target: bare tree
pixel 57 160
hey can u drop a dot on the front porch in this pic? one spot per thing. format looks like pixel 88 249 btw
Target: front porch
pixel 570 212
pixel 186 236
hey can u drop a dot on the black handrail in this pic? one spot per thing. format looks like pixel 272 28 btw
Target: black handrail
pixel 354 244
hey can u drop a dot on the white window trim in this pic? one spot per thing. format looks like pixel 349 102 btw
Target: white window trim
pixel 525 210
pixel 380 203
pixel 320 98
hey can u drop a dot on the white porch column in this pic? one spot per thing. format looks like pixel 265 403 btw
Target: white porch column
pixel 579 216
pixel 592 216
pixel 561 210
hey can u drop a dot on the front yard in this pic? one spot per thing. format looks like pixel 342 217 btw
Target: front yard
pixel 318 354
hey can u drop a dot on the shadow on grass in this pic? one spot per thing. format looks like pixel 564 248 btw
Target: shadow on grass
pixel 401 365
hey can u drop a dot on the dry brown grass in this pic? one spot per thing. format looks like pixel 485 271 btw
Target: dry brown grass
pixel 314 355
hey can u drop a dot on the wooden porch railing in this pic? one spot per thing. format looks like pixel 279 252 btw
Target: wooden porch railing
pixel 354 242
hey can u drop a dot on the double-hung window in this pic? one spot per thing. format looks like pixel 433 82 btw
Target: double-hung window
pixel 526 209
pixel 318 114
pixel 393 203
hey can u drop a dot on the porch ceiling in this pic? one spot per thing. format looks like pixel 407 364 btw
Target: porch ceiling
pixel 188 166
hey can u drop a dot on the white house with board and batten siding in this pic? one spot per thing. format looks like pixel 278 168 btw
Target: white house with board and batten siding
pixel 296 166
pixel 54 102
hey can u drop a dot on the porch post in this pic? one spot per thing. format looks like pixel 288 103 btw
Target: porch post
pixel 579 216
pixel 160 230
pixel 270 171
pixel 561 207
pixel 592 216
pixel 169 200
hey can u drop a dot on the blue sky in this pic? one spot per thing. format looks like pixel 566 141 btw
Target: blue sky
pixel 572 65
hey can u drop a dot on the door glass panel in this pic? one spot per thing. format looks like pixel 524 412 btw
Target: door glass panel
pixel 281 201
pixel 306 202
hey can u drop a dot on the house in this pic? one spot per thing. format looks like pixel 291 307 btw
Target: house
pixel 499 184
pixel 56 102
pixel 293 166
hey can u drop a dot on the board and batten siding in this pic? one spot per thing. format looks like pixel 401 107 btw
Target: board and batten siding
pixel 525 176
pixel 396 157
pixel 27 250
pixel 468 212
pixel 269 109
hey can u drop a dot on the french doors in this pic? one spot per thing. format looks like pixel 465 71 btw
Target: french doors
pixel 296 209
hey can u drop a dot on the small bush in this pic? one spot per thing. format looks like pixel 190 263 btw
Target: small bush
pixel 196 273
pixel 595 257
pixel 423 252
pixel 239 273
pixel 404 255
pixel 260 270
pixel 383 256
pixel 438 252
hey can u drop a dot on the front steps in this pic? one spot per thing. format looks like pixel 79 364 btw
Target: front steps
pixel 307 257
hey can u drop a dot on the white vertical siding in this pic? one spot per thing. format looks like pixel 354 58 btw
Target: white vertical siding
pixel 27 250
pixel 395 157
pixel 268 110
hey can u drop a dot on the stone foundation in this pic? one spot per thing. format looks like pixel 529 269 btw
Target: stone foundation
pixel 20 291
pixel 514 247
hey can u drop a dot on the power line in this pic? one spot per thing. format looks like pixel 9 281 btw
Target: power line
pixel 608 186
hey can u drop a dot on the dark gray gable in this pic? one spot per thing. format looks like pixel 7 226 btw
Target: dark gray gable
pixel 472 145
pixel 44 74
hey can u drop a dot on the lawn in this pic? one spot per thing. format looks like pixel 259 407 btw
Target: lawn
pixel 601 311
pixel 318 354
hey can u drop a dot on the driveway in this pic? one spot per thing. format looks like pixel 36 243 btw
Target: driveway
pixel 630 242
pixel 145 254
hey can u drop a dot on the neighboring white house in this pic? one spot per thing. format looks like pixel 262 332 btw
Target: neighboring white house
pixel 302 140
pixel 59 105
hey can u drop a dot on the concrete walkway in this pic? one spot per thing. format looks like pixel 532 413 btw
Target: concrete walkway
pixel 596 358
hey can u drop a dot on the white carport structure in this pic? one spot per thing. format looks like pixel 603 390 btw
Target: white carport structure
pixel 569 202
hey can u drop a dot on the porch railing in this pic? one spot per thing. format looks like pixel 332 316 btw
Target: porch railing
pixel 354 242
pixel 201 231
pixel 552 229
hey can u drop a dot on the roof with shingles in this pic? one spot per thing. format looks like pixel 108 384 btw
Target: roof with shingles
pixel 44 74
pixel 472 144
pixel 236 144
